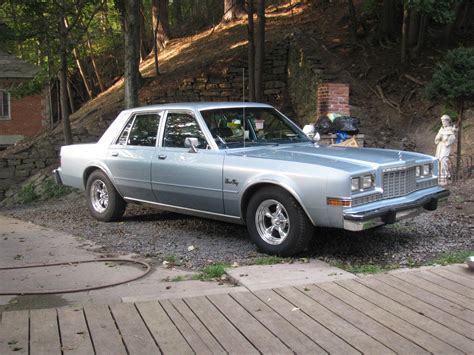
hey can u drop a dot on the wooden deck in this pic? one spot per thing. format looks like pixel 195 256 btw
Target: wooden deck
pixel 422 311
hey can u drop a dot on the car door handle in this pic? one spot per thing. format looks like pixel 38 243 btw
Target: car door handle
pixel 114 154
pixel 162 156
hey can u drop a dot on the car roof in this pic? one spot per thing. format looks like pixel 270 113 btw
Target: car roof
pixel 198 106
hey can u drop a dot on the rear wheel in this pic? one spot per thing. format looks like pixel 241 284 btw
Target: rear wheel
pixel 103 200
pixel 276 222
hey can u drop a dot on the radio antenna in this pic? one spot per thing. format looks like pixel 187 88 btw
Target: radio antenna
pixel 243 101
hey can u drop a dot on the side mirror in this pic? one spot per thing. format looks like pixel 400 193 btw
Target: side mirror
pixel 191 143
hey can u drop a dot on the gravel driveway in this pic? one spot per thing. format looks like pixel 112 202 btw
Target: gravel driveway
pixel 163 235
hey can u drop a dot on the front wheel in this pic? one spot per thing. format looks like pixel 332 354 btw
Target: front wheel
pixel 276 222
pixel 103 200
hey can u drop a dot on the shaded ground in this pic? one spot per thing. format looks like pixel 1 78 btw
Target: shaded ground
pixel 169 236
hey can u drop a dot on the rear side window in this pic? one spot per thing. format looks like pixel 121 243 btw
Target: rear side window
pixel 141 130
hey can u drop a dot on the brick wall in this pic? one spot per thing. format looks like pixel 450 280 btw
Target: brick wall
pixel 26 116
pixel 333 98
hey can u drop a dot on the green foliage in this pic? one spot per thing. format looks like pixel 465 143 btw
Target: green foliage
pixel 269 260
pixel 441 11
pixel 365 268
pixel 453 79
pixel 27 193
pixel 52 189
pixel 457 257
pixel 210 272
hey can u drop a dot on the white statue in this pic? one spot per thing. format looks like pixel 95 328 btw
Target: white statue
pixel 444 140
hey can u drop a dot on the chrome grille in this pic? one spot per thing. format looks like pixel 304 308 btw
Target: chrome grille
pixel 399 182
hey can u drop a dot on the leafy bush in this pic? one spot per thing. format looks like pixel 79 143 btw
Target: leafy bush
pixel 27 193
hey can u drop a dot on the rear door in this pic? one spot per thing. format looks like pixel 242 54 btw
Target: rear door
pixel 129 158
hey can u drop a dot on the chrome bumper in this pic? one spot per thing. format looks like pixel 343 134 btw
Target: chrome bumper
pixel 393 210
pixel 57 176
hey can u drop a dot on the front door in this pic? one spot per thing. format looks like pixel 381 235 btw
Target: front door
pixel 181 177
pixel 129 159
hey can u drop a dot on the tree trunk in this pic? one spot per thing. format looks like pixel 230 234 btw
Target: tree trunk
pixel 143 46
pixel 353 17
pixel 70 97
pixel 405 30
pixel 421 33
pixel 233 9
pixel 79 66
pixel 160 20
pixel 389 22
pixel 260 50
pixel 458 152
pixel 251 52
pixel 413 28
pixel 94 64
pixel 63 39
pixel 132 53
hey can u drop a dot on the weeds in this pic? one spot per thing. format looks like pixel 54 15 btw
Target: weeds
pixel 211 272
pixel 52 189
pixel 27 194
pixel 269 260
pixel 447 258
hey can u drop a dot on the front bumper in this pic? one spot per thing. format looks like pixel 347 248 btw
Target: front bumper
pixel 392 210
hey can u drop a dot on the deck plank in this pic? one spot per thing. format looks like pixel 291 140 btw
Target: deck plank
pixel 460 269
pixel 284 330
pixel 14 332
pixel 456 282
pixel 436 314
pixel 455 340
pixel 192 337
pixel 104 333
pixel 415 279
pixel 397 324
pixel 197 326
pixel 253 330
pixel 428 297
pixel 163 330
pixel 75 338
pixel 228 336
pixel 134 332
pixel 44 332
pixel 333 322
pixel 311 328
pixel 386 336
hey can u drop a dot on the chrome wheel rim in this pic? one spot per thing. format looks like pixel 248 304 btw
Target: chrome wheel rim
pixel 99 196
pixel 272 221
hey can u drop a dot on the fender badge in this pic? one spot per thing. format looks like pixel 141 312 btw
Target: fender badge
pixel 231 182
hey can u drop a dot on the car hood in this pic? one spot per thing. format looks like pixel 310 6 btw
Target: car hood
pixel 337 157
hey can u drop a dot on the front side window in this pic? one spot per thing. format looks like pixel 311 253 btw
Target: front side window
pixel 4 105
pixel 180 126
pixel 234 127
pixel 141 130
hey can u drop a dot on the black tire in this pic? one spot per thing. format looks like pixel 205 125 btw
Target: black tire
pixel 298 230
pixel 103 200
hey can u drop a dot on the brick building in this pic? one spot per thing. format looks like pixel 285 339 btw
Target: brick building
pixel 19 117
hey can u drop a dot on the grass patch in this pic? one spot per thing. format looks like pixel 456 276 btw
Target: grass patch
pixel 365 268
pixel 269 260
pixel 27 194
pixel 211 272
pixel 457 257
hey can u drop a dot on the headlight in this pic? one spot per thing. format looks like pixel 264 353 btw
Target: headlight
pixel 367 181
pixel 426 169
pixel 355 184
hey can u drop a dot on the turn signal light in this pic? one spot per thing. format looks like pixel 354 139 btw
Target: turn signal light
pixel 331 201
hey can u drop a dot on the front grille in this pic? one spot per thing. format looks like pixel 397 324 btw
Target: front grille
pixel 399 182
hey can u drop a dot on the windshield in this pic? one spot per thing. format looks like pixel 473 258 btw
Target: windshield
pixel 259 126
